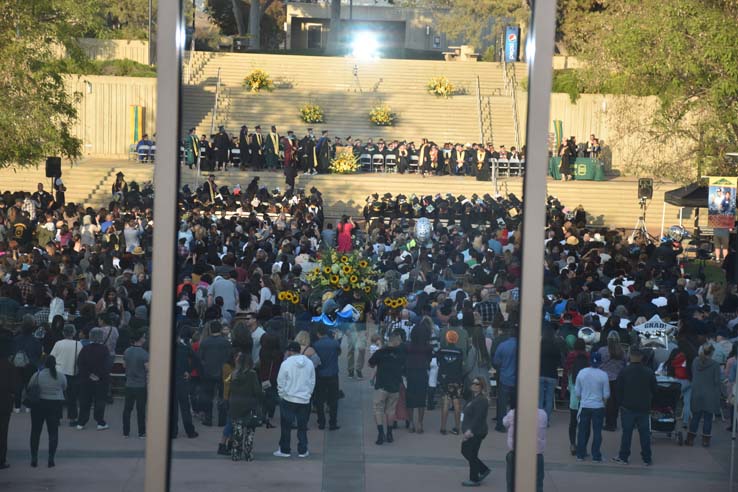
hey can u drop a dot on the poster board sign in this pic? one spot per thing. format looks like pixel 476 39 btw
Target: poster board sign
pixel 655 325
pixel 721 202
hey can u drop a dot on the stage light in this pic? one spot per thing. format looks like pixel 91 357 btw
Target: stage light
pixel 365 46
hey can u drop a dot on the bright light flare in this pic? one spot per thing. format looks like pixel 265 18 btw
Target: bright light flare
pixel 365 46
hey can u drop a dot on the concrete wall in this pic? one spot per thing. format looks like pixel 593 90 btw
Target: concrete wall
pixel 103 110
pixel 116 49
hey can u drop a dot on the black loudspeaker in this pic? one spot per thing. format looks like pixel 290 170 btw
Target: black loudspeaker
pixel 645 188
pixel 53 167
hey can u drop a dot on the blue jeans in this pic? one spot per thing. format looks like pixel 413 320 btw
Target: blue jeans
pixel 546 395
pixel 640 420
pixel 504 394
pixel 706 423
pixel 687 399
pixel 288 413
pixel 590 417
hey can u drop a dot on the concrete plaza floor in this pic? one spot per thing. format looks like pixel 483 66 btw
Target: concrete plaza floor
pixel 347 460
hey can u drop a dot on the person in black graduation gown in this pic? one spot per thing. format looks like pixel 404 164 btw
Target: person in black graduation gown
pixel 403 158
pixel 306 152
pixel 206 154
pixel 221 148
pixel 424 160
pixel 323 152
pixel 257 148
pixel 481 162
pixel 243 146
pixel 459 164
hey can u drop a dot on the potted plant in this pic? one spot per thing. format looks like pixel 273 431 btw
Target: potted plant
pixel 382 115
pixel 441 87
pixel 258 80
pixel 312 113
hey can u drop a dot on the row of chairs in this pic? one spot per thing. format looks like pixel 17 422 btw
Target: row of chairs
pixel 144 153
pixel 388 164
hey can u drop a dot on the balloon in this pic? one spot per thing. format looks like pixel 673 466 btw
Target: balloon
pixel 677 233
pixel 423 229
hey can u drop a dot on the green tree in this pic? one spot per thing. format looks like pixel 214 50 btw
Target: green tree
pixel 233 17
pixel 38 113
pixel 683 51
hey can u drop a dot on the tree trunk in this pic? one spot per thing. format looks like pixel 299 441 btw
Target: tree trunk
pixel 334 34
pixel 255 25
pixel 238 15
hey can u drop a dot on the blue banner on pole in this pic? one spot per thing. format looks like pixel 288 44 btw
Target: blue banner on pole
pixel 512 43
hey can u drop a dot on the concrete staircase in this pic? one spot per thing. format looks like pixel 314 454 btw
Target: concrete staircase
pixel 330 82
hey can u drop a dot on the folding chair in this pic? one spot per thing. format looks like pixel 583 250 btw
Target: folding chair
pixel 390 163
pixel 152 153
pixel 143 153
pixel 413 165
pixel 366 162
pixel 236 156
pixel 503 167
pixel 377 162
pixel 515 169
pixel 132 153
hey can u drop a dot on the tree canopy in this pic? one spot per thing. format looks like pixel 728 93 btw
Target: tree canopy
pixel 682 51
pixel 38 111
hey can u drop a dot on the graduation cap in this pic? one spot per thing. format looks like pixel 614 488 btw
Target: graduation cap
pixel 387 196
pixel 416 207
pixel 401 198
pixel 462 199
pixel 120 174
pixel 430 209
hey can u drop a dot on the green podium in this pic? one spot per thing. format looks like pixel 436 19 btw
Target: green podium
pixel 585 169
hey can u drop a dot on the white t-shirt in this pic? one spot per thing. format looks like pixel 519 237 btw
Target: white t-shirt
pixel 66 352
pixel 256 337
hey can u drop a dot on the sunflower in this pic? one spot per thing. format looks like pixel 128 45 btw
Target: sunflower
pixel 403 301
pixel 334 279
pixel 367 289
pixel 327 270
pixel 346 269
pixel 353 279
pixel 363 264
pixel 288 296
pixel 346 288
pixel 344 259
pixel 295 300
pixel 388 302
pixel 280 296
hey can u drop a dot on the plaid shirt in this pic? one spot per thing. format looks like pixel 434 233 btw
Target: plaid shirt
pixel 487 310
pixel 29 206
pixel 26 289
pixel 42 315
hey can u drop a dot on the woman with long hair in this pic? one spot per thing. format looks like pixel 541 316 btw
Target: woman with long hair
pixel 419 355
pixel 267 291
pixel 613 362
pixel 344 230
pixel 270 358
pixel 706 392
pixel 474 430
pixel 245 400
pixel 47 409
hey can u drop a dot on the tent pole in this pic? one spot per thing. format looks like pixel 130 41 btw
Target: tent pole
pixel 663 215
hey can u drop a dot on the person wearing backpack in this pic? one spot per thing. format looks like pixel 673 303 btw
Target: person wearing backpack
pixel 27 356
pixel 66 352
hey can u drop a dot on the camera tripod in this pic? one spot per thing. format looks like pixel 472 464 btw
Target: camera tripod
pixel 356 85
pixel 640 231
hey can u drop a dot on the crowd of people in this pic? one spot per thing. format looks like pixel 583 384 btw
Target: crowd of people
pixel 312 154
pixel 254 334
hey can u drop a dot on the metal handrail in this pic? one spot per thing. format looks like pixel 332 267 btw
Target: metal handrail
pixel 479 111
pixel 215 105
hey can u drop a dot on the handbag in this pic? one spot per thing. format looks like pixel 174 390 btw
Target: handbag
pixel 33 394
pixel 254 419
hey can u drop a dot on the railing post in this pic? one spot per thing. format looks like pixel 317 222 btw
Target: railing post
pixel 479 110
pixel 215 106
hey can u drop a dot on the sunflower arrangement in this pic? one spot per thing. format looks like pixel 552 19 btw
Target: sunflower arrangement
pixel 311 113
pixel 345 163
pixel 395 302
pixel 291 296
pixel 347 272
pixel 382 115
pixel 258 80
pixel 440 86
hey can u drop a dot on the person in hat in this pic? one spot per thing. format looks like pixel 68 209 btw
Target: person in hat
pixel 307 154
pixel 120 187
pixel 211 189
pixel 451 379
pixel 257 148
pixel 192 148
pixel 243 146
pixel 592 388
pixel 271 149
pixel 635 388
pixel 221 148
pixel 295 385
pixel 291 162
pixel 323 150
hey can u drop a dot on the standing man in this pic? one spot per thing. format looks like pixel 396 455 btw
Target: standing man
pixel 185 363
pixel 257 148
pixel 323 149
pixel 306 151
pixel 94 374
pixel 505 361
pixel 252 323
pixel 326 385
pixel 66 353
pixel 271 149
pixel 221 148
pixel 592 388
pixel 211 189
pixel 295 385
pixel 137 365
pixel 243 146
pixel 290 160
pixel 192 149
pixel 9 387
pixel 215 351
pixel 356 339
pixel 635 388
pixel 390 364
pixel 224 286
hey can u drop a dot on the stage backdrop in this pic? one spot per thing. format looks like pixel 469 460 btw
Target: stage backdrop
pixel 721 202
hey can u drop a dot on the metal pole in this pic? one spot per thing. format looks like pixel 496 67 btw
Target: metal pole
pixel 733 435
pixel 215 106
pixel 479 111
pixel 170 45
pixel 540 59
pixel 151 58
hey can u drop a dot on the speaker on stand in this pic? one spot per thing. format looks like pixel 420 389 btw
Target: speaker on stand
pixel 53 169
pixel 645 188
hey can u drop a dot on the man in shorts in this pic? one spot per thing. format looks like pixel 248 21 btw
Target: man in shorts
pixel 451 378
pixel 390 364
pixel 720 236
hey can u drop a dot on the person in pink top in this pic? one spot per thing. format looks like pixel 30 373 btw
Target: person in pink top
pixel 509 422
pixel 344 228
